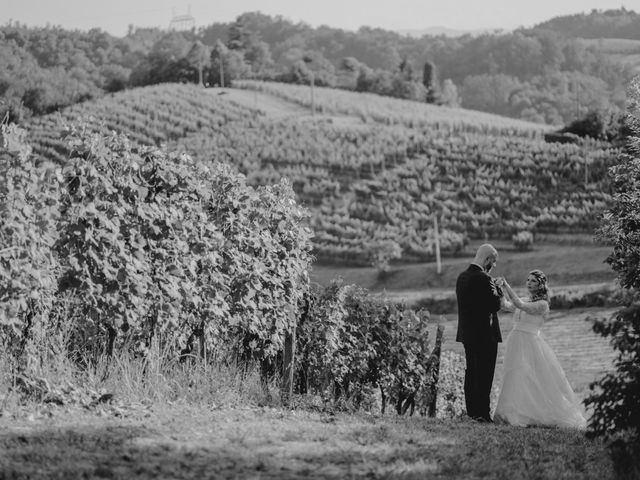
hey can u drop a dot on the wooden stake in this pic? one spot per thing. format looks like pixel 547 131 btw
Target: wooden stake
pixel 437 240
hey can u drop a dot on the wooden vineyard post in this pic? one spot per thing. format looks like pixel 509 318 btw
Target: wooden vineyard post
pixel 288 366
pixel 435 369
pixel 586 172
pixel 313 98
pixel 221 71
pixel 437 240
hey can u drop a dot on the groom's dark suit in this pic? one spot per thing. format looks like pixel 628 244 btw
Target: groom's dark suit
pixel 479 331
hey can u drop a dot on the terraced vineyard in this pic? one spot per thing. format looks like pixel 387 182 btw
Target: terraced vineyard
pixel 377 180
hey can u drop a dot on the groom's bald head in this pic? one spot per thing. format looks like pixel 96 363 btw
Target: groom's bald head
pixel 486 256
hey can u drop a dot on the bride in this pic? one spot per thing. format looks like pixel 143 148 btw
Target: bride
pixel 534 389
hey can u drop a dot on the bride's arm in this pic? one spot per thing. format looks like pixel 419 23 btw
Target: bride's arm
pixel 506 305
pixel 539 307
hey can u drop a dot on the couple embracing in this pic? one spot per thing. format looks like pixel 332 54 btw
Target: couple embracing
pixel 534 389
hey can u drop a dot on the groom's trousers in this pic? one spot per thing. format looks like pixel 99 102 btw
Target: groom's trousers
pixel 478 378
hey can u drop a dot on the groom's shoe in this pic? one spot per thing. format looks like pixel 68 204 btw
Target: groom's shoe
pixel 483 419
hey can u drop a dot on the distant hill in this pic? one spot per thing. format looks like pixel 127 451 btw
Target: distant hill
pixel 442 31
pixel 620 23
pixel 615 33
pixel 535 74
pixel 621 50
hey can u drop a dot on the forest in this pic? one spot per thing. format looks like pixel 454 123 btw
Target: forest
pixel 551 73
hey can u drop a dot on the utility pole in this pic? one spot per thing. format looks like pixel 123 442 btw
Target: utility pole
pixel 575 87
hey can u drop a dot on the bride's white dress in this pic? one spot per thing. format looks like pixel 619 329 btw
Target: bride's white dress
pixel 534 389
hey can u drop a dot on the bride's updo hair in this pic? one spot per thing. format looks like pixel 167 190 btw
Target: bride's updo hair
pixel 542 293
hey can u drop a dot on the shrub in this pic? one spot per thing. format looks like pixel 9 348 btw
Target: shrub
pixel 139 245
pixel 28 208
pixel 600 125
pixel 450 400
pixel 615 398
pixel 382 253
pixel 523 240
pixel 351 343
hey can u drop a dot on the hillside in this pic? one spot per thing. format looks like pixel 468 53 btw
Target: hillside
pixel 622 50
pixel 613 23
pixel 544 74
pixel 372 170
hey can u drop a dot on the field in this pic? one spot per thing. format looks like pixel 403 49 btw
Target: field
pixel 372 171
pixel 578 264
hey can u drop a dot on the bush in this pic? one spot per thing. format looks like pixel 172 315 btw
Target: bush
pixel 523 240
pixel 351 343
pixel 450 401
pixel 383 252
pixel 144 245
pixel 615 398
pixel 600 125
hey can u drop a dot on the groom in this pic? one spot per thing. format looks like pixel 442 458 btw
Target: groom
pixel 478 329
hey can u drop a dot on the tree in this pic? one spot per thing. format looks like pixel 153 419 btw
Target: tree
pixel 258 57
pixel 489 93
pixel 615 398
pixel 406 70
pixel 200 57
pixel 430 81
pixel 449 94
pixel 226 65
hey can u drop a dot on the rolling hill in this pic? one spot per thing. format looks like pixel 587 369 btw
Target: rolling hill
pixel 373 171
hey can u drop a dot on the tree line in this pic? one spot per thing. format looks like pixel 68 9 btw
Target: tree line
pixel 535 74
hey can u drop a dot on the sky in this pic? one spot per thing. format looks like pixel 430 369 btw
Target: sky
pixel 114 16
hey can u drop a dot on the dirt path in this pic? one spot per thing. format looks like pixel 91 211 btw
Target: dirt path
pixel 270 105
pixel 278 108
pixel 265 443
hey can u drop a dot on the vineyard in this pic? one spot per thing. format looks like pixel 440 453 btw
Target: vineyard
pixel 131 249
pixel 374 185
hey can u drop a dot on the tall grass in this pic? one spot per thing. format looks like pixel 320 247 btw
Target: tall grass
pixel 51 365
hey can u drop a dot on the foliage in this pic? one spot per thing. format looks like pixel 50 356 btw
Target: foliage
pixel 350 343
pixel 449 94
pixel 28 208
pixel 226 65
pixel 450 399
pixel 383 253
pixel 523 240
pixel 601 125
pixel 157 244
pixel 144 245
pixel 45 69
pixel 612 23
pixel 615 398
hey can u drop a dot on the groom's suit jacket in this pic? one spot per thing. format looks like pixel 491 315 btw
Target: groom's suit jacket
pixel 478 304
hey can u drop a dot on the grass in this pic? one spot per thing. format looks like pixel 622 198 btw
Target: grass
pixel 183 442
pixel 564 264
pixel 167 420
